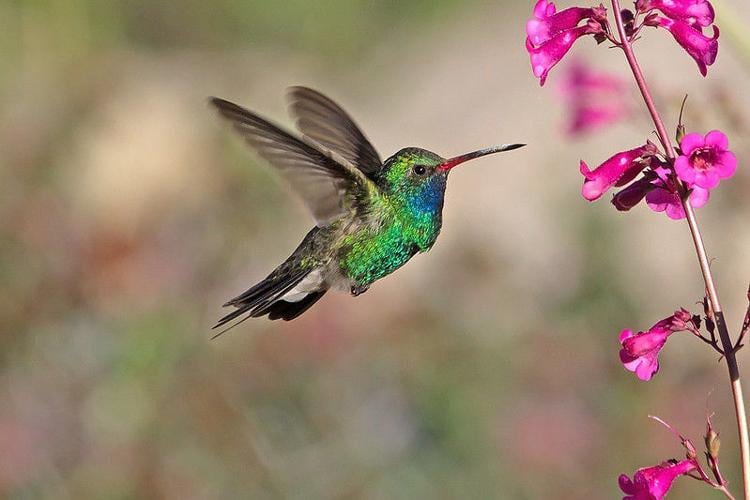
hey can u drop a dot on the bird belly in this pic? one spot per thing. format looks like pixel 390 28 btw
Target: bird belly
pixel 366 257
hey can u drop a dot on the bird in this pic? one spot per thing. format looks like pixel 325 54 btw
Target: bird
pixel 371 216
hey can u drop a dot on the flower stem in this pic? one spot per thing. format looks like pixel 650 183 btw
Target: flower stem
pixel 713 296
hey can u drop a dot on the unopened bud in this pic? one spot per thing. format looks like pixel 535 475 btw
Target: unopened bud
pixel 713 443
pixel 680 320
pixel 599 13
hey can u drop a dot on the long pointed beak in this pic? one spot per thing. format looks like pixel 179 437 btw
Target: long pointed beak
pixel 452 162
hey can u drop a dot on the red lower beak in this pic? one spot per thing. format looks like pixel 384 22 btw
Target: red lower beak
pixel 452 162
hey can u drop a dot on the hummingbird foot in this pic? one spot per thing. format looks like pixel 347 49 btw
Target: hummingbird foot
pixel 358 290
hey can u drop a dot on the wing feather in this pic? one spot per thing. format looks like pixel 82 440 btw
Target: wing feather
pixel 329 186
pixel 326 123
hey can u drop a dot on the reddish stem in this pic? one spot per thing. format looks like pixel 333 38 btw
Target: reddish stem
pixel 713 296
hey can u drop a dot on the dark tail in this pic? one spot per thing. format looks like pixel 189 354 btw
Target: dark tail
pixel 265 299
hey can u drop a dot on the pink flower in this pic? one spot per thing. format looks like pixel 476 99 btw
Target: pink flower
pixel 547 23
pixel 694 12
pixel 700 47
pixel 705 160
pixel 640 351
pixel 653 483
pixel 662 199
pixel 616 171
pixel 551 52
pixel 551 34
pixel 594 99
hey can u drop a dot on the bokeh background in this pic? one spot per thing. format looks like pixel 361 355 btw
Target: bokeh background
pixel 487 368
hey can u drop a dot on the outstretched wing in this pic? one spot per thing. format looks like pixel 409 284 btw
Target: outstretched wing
pixel 329 187
pixel 324 122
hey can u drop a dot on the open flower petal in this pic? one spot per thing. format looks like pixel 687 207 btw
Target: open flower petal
pixel 705 160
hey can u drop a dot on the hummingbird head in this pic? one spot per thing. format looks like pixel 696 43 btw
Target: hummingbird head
pixel 419 176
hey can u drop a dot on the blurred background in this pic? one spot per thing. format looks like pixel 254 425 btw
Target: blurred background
pixel 487 368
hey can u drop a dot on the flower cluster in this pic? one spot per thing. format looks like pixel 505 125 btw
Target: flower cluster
pixel 551 34
pixel 685 20
pixel 702 163
pixel 669 179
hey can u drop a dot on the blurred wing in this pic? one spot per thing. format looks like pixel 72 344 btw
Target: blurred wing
pixel 324 122
pixel 327 186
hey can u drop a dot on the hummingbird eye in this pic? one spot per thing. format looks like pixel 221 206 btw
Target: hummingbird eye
pixel 419 169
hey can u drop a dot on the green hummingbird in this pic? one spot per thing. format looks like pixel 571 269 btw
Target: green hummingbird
pixel 372 216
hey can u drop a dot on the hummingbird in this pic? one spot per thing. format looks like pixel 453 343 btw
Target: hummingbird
pixel 372 216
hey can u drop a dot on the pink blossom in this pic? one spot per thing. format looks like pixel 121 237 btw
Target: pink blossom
pixel 640 351
pixel 653 483
pixel 693 12
pixel 551 34
pixel 616 171
pixel 700 47
pixel 705 160
pixel 664 200
pixel 547 23
pixel 551 52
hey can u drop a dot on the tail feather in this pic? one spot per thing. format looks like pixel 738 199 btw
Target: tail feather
pixel 281 309
pixel 262 295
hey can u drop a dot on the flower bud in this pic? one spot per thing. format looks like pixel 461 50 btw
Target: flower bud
pixel 713 444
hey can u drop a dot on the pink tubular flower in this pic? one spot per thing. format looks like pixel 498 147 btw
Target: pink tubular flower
pixel 547 23
pixel 551 34
pixel 640 351
pixel 616 171
pixel 700 47
pixel 705 160
pixel 653 483
pixel 694 12
pixel 551 52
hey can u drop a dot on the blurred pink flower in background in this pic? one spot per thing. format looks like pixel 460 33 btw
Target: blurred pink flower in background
pixel 594 99
pixel 705 160
pixel 653 483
